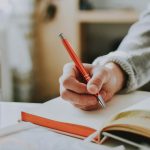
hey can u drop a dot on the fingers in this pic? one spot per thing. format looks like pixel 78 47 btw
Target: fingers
pixel 82 100
pixel 82 95
pixel 72 84
pixel 107 95
pixel 88 108
pixel 99 78
pixel 74 91
pixel 70 70
pixel 70 79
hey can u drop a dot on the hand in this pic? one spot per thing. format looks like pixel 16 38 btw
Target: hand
pixel 107 80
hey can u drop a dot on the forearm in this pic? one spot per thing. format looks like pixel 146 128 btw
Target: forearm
pixel 133 55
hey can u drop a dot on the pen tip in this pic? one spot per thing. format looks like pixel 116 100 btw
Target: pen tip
pixel 61 36
pixel 101 101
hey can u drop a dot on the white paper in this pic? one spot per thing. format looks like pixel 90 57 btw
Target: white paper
pixel 63 111
pixel 44 139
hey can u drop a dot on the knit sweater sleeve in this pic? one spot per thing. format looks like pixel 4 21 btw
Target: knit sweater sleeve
pixel 133 54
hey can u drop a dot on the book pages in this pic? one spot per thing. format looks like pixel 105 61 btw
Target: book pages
pixel 63 111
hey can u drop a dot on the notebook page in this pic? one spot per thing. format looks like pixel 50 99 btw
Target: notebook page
pixel 143 105
pixel 60 110
pixel 136 115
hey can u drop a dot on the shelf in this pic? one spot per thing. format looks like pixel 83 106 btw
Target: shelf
pixel 108 16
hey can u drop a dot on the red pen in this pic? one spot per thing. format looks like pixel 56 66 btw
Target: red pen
pixel 80 66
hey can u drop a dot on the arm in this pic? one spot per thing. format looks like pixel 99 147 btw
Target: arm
pixel 133 55
pixel 128 68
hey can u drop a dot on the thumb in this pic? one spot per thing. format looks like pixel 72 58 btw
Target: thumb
pixel 96 82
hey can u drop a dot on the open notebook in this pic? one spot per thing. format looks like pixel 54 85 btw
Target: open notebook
pixel 117 119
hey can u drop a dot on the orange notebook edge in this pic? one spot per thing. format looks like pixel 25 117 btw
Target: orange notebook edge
pixel 60 127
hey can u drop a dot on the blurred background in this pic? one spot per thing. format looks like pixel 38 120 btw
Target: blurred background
pixel 31 54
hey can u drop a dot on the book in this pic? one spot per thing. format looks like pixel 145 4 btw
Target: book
pixel 126 116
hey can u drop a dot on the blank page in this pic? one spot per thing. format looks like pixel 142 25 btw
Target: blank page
pixel 63 111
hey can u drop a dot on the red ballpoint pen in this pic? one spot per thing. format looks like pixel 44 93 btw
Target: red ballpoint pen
pixel 80 66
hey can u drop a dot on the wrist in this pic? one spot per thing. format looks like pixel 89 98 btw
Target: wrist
pixel 118 74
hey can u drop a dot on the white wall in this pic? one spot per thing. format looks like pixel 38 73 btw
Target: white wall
pixel 137 4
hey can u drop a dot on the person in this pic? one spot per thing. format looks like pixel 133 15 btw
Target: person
pixel 125 70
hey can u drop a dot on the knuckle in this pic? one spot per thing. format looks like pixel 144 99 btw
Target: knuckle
pixel 85 108
pixel 97 81
pixel 68 65
pixel 64 94
pixel 79 100
pixel 90 108
pixel 105 71
pixel 109 96
pixel 77 106
pixel 97 67
pixel 65 82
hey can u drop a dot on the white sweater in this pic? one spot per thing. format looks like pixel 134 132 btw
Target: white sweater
pixel 133 55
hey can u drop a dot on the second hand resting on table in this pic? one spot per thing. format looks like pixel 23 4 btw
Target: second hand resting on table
pixel 107 79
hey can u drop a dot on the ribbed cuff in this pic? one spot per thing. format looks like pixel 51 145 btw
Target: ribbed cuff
pixel 122 60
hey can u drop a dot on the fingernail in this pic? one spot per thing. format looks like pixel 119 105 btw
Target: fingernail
pixel 93 89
